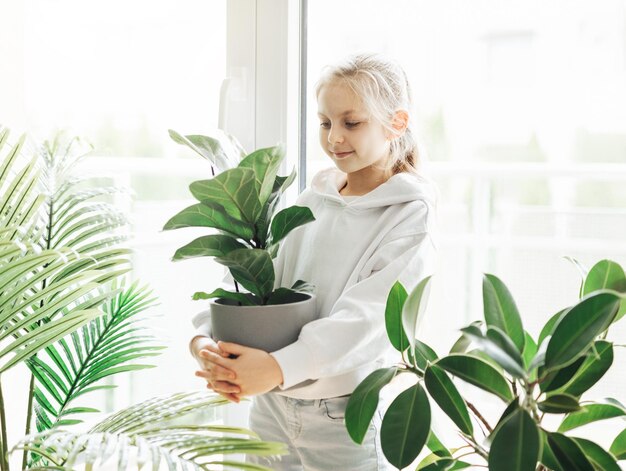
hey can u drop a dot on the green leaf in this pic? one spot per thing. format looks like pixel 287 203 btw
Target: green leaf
pixel 223 153
pixel 583 273
pixel 364 401
pixel 592 369
pixel 234 190
pixel 434 444
pixel 477 372
pixel 303 287
pixel 435 463
pixel 547 456
pixel 598 456
pixel 413 308
pixel 501 311
pixel 253 268
pixel 559 404
pixel 208 214
pixel 393 317
pixel 579 327
pixel 618 447
pixel 530 350
pixel 284 296
pixel 288 219
pixel 548 329
pixel 422 355
pixel 264 163
pixel 591 413
pixel 607 274
pixel 555 379
pixel 446 395
pixel 406 426
pixel 568 453
pixel 216 245
pixel 243 298
pixel 516 444
pixel 497 347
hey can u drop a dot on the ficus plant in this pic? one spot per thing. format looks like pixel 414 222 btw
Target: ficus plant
pixel 240 205
pixel 535 378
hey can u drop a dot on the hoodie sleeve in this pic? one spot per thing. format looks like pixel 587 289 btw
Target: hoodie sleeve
pixel 354 333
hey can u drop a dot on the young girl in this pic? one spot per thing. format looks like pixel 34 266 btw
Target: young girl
pixel 373 226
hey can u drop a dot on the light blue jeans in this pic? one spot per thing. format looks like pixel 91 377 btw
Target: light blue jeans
pixel 316 435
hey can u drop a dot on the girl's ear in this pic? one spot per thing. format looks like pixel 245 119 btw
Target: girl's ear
pixel 399 123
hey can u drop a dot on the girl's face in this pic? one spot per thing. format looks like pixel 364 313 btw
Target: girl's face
pixel 348 134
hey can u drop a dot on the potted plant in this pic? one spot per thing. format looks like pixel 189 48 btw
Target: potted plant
pixel 67 315
pixel 533 378
pixel 240 205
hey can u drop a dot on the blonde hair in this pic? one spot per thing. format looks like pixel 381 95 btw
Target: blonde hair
pixel 383 87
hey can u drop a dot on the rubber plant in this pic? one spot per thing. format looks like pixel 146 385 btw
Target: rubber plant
pixel 533 378
pixel 66 311
pixel 240 204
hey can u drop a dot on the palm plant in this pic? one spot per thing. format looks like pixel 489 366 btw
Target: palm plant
pixel 64 307
pixel 533 378
pixel 150 428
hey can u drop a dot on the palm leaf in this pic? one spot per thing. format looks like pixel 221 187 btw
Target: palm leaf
pixel 104 347
pixel 144 433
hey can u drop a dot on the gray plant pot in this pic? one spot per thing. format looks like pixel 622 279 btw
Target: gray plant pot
pixel 268 328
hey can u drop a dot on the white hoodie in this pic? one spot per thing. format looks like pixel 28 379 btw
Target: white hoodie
pixel 353 253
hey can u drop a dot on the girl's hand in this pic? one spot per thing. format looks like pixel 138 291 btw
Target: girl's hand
pixel 256 371
pixel 203 349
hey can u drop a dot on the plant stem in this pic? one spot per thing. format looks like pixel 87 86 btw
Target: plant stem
pixel 237 289
pixel 4 445
pixel 29 415
pixel 480 417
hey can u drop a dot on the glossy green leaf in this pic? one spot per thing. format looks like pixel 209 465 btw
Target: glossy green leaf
pixel 209 214
pixel 234 190
pixel 434 444
pixel 516 444
pixel 501 311
pixel 497 347
pixel 244 298
pixel 553 380
pixel 618 447
pixel 413 308
pixel 547 456
pixel 477 372
pixel 568 453
pixel 579 327
pixel 591 413
pixel 607 274
pixel 364 401
pixel 422 355
pixel 288 219
pixel 530 350
pixel 446 395
pixel 598 456
pixel 253 268
pixel 548 328
pixel 405 426
pixel 593 368
pixel 216 245
pixel 559 404
pixel 393 317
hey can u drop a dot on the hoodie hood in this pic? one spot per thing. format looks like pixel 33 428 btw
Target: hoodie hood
pixel 400 188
